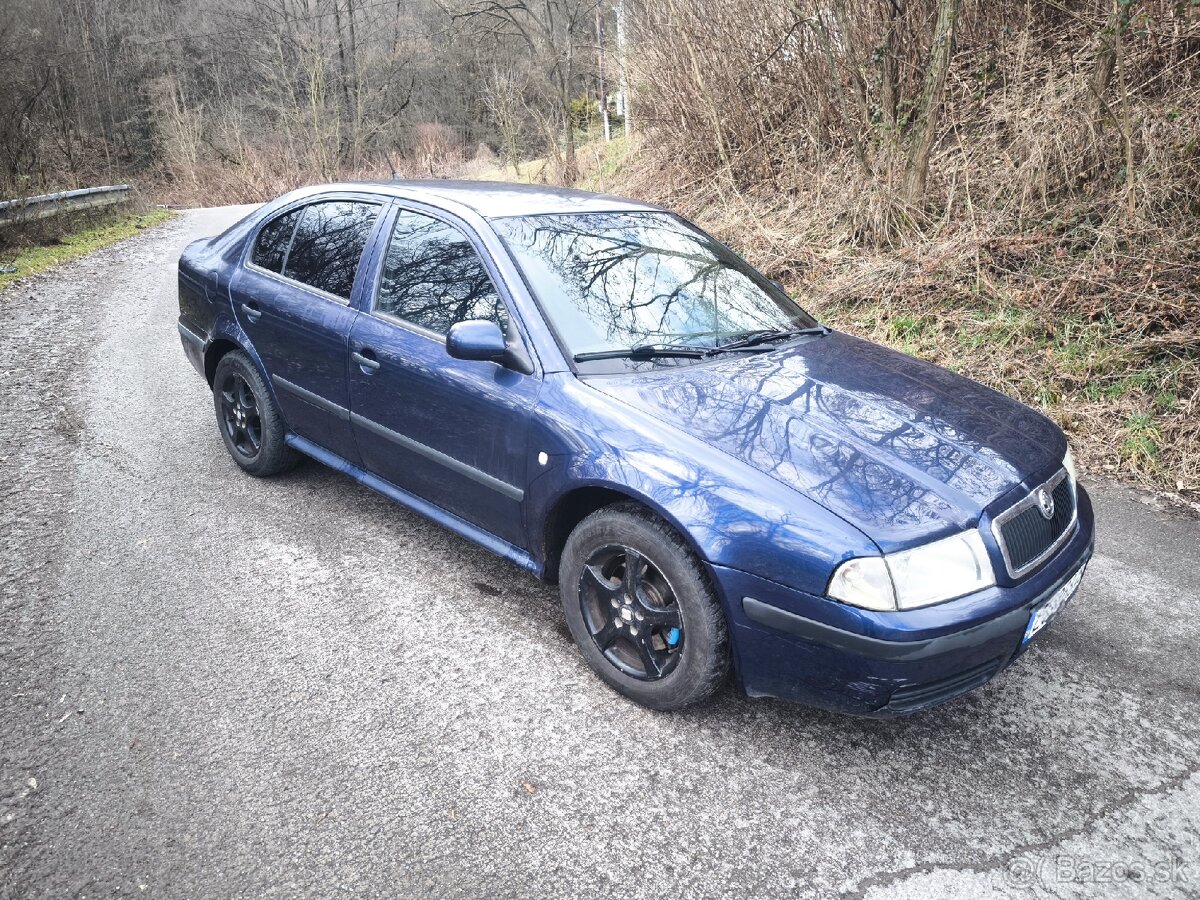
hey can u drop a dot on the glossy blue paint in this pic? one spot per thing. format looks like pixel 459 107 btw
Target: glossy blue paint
pixel 481 341
pixel 904 449
pixel 473 413
pixel 302 343
pixel 731 513
pixel 779 664
pixel 774 467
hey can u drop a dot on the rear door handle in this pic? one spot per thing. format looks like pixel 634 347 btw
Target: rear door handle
pixel 365 359
pixel 251 311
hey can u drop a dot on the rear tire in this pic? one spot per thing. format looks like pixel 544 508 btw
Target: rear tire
pixel 248 419
pixel 642 610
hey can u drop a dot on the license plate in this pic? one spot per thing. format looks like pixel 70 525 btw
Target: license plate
pixel 1043 614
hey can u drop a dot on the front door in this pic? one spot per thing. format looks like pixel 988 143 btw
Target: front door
pixel 292 297
pixel 451 431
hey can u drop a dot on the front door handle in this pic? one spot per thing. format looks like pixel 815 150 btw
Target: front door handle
pixel 252 312
pixel 366 360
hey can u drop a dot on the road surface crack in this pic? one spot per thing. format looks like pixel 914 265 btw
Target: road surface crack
pixel 999 861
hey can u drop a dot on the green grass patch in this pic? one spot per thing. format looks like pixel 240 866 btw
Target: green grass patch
pixel 611 159
pixel 31 260
pixel 907 328
pixel 1005 328
pixel 1048 395
pixel 1154 380
pixel 1091 348
pixel 912 334
pixel 1140 449
pixel 1122 387
pixel 1166 401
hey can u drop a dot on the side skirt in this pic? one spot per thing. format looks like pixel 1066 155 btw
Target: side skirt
pixel 459 526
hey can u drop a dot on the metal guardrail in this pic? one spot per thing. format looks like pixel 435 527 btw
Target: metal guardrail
pixel 46 205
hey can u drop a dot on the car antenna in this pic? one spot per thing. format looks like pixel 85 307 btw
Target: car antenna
pixel 391 165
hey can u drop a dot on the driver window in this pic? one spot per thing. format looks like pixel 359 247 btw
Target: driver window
pixel 433 277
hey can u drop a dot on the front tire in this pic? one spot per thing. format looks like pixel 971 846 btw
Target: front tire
pixel 641 609
pixel 249 421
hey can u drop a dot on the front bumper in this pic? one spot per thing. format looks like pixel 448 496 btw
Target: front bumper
pixel 813 650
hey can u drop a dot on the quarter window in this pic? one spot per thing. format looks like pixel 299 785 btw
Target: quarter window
pixel 270 249
pixel 433 277
pixel 329 242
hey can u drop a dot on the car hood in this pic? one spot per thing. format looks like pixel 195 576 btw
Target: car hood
pixel 899 447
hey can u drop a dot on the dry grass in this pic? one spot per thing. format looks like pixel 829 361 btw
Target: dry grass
pixel 1128 398
pixel 255 177
pixel 258 175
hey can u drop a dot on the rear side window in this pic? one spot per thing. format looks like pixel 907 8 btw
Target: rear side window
pixel 433 277
pixel 270 249
pixel 328 244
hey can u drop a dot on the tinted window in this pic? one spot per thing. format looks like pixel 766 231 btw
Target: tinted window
pixel 433 277
pixel 328 244
pixel 272 244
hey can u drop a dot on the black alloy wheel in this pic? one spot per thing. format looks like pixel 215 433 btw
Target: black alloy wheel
pixel 240 416
pixel 642 609
pixel 630 612
pixel 249 421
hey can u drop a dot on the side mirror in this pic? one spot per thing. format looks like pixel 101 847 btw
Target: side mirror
pixel 476 339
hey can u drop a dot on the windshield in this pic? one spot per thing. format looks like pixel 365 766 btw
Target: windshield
pixel 619 280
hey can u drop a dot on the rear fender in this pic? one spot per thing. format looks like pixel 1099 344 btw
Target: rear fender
pixel 227 329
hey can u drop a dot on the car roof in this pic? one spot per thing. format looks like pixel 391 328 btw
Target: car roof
pixel 495 199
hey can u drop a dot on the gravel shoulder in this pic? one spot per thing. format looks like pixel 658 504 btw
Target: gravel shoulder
pixel 212 685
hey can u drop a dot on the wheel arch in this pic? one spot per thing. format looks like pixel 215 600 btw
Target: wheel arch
pixel 214 353
pixel 225 337
pixel 579 502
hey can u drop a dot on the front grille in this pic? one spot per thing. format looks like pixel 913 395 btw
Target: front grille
pixel 1026 536
pixel 912 698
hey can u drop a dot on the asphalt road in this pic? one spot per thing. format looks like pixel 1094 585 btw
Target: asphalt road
pixel 215 686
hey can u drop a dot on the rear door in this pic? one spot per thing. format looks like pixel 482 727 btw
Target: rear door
pixel 293 298
pixel 451 431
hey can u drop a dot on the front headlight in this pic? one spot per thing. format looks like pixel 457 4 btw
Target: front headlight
pixel 863 581
pixel 931 573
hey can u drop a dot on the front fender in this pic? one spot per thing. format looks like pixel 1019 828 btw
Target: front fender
pixel 731 514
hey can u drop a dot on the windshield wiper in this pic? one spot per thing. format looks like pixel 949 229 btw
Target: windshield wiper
pixel 774 334
pixel 657 351
pixel 643 351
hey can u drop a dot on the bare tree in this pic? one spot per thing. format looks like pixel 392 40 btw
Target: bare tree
pixel 502 93
pixel 554 32
pixel 622 68
pixel 930 101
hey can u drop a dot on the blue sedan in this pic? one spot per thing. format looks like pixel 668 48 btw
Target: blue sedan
pixel 608 397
